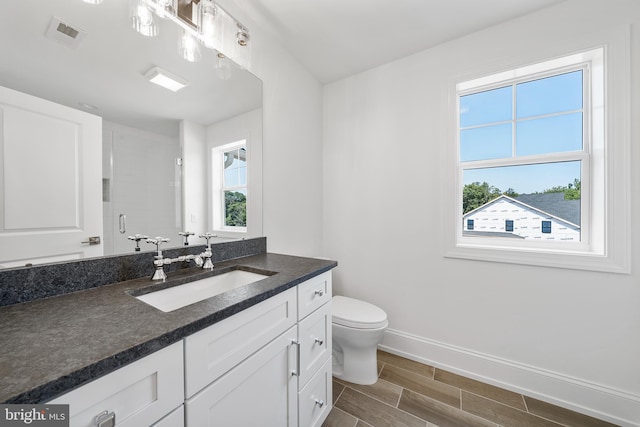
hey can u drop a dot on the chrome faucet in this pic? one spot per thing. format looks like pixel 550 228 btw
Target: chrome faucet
pixel 208 253
pixel 159 261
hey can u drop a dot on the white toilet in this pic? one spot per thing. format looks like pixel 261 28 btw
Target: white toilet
pixel 357 328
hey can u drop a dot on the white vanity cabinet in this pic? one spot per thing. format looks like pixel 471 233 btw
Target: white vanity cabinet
pixel 269 365
pixel 314 338
pixel 139 394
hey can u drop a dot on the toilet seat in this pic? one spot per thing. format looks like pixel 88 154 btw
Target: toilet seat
pixel 358 314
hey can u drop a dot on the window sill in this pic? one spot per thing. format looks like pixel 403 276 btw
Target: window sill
pixel 543 258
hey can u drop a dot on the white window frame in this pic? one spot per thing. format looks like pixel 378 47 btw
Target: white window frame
pixel 218 189
pixel 604 245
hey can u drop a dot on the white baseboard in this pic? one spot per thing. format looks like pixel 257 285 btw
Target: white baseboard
pixel 606 403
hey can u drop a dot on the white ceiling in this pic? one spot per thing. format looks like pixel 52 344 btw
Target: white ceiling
pixel 339 38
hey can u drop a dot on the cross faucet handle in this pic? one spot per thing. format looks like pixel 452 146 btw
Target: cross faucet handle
pixel 158 241
pixel 208 236
pixel 137 238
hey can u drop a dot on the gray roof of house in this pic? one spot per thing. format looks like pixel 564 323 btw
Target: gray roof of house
pixel 553 204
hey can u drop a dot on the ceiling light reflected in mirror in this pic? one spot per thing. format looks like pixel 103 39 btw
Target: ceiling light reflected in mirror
pixel 165 79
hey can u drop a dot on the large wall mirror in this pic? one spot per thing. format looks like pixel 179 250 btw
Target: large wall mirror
pixel 157 147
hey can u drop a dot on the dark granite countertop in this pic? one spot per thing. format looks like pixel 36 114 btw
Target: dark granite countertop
pixel 53 345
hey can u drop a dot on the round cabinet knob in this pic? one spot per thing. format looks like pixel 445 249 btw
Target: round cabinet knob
pixel 320 403
pixel 320 341
pixel 319 292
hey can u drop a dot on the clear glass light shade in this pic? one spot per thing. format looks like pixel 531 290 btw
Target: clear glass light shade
pixel 93 1
pixel 223 67
pixel 142 18
pixel 209 27
pixel 165 8
pixel 225 33
pixel 241 52
pixel 190 47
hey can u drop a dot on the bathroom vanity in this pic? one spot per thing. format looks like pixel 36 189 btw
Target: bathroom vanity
pixel 259 354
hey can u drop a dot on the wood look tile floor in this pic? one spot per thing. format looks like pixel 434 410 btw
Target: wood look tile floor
pixel 411 394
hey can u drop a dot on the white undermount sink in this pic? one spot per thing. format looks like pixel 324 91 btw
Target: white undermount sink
pixel 182 295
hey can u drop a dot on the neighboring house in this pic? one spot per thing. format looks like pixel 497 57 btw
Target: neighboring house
pixel 529 216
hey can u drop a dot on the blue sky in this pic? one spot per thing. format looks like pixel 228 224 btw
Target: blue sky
pixel 547 119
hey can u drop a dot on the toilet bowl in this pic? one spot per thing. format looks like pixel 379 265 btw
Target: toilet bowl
pixel 357 328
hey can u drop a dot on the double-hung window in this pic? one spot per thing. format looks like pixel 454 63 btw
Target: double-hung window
pixel 524 136
pixel 533 159
pixel 230 187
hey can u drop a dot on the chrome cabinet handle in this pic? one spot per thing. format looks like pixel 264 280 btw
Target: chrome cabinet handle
pixel 105 419
pixel 296 372
pixel 319 292
pixel 320 403
pixel 320 341
pixel 122 220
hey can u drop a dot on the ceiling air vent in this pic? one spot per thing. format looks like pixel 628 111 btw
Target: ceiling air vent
pixel 64 33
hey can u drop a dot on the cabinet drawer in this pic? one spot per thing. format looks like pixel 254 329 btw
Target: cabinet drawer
pixel 215 350
pixel 313 293
pixel 258 392
pixel 315 342
pixel 314 401
pixel 140 393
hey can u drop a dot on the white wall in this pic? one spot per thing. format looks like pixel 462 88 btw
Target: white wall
pixel 248 127
pixel 292 156
pixel 292 144
pixel 565 336
pixel 194 186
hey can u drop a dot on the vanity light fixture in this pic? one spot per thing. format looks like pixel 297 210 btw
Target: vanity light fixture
pixel 189 47
pixel 209 29
pixel 93 1
pixel 202 21
pixel 142 18
pixel 164 8
pixel 165 79
pixel 223 67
